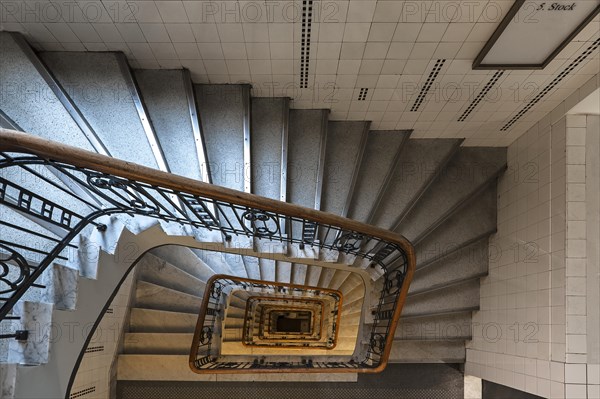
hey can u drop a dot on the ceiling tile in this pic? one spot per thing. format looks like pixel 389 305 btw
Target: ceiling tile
pixel 85 32
pixel 370 67
pixel 215 67
pixel 235 51
pixel 230 32
pixel 407 32
pixel 155 33
pixel 356 32
pixel 349 67
pixel 281 67
pixel 382 32
pixel 62 32
pixel 238 67
pixel 423 51
pixel 146 12
pixel 457 32
pixel 388 11
pixel 360 11
pixel 391 67
pixel 281 32
pixel 329 32
pixel 352 51
pixel 187 51
pixel 432 32
pixel 329 51
pixel 281 51
pixel 164 51
pixel 172 11
pixel 205 33
pixel 141 51
pixel 256 32
pixel 400 51
pixel 108 33
pixel 258 51
pixel 211 51
pixel 131 33
pixel 376 50
pixel 180 33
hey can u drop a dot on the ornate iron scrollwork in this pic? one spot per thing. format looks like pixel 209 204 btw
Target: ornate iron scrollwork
pixel 131 198
pixel 349 242
pixel 206 335
pixel 377 343
pixel 393 282
pixel 12 261
pixel 263 224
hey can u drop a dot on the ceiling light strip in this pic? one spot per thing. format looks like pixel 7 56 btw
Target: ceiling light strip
pixel 481 95
pixel 307 10
pixel 593 47
pixel 428 83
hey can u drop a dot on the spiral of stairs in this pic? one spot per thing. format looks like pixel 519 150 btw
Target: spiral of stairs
pixel 440 195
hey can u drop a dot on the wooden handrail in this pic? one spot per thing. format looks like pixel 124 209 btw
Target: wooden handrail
pixel 21 142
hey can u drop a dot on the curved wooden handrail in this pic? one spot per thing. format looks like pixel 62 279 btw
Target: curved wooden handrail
pixel 16 141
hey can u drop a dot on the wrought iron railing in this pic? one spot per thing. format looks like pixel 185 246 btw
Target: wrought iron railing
pixel 66 190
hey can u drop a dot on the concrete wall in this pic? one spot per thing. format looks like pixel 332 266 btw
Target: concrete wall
pixel 537 330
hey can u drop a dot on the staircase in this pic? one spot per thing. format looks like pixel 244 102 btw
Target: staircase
pixel 438 194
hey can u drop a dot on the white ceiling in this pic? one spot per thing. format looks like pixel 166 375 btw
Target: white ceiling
pixel 389 47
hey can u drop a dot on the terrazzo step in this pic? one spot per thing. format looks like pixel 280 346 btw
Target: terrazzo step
pixel 313 274
pixel 252 267
pixel 476 218
pixel 61 284
pixel 186 260
pixel 471 261
pixel 436 328
pixel 215 260
pixel 283 272
pixel 155 270
pixel 49 119
pixel 465 173
pixel 235 313
pixel 268 269
pixel 306 142
pixel 381 152
pixel 168 97
pixel 160 321
pixel 343 155
pixel 459 296
pixel 225 118
pixel 8 376
pixel 419 162
pixel 237 348
pixel 36 349
pixel 158 343
pixel 176 368
pixel 112 114
pixel 428 352
pixel 299 271
pixel 152 296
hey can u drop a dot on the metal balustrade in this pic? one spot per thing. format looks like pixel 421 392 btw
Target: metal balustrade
pixel 66 190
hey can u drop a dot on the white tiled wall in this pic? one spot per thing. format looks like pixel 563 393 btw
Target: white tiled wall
pixel 531 331
pixel 95 369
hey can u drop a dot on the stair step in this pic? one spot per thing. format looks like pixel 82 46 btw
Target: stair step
pixel 184 259
pixel 268 268
pixel 428 352
pixel 152 296
pixel 160 321
pixel 471 260
pixel 381 150
pixel 158 343
pixel 48 118
pixel 438 328
pixel 312 275
pixel 299 271
pixel 283 272
pixel 420 160
pixel 33 316
pixel 61 286
pixel 464 174
pixel 474 219
pixel 112 114
pixel 455 297
pixel 252 267
pixel 269 146
pixel 343 348
pixel 166 100
pixel 345 145
pixel 155 270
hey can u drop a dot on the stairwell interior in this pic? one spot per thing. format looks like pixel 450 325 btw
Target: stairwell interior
pixel 440 195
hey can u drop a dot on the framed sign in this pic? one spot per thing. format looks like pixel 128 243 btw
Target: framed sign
pixel 534 32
